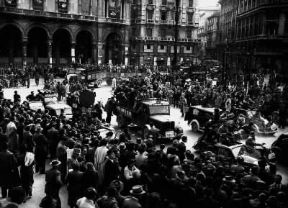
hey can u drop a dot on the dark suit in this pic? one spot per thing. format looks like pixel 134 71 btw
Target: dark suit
pixel 53 184
pixel 111 172
pixel 53 139
pixel 9 174
pixel 74 187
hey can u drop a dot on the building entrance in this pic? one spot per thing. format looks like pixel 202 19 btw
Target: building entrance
pixel 113 49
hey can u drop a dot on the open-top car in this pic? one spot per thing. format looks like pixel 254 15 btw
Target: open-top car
pixel 198 116
pixel 36 105
pixel 261 125
pixel 58 108
pixel 152 116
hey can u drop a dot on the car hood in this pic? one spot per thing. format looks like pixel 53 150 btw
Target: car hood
pixel 162 118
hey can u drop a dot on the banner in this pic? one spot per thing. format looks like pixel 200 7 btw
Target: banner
pixel 63 6
pixel 11 3
pixel 114 8
pixel 38 4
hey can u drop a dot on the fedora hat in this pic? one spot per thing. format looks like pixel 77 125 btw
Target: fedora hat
pixel 137 190
pixel 229 179
pixel 55 163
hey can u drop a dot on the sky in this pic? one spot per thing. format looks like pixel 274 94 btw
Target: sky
pixel 207 3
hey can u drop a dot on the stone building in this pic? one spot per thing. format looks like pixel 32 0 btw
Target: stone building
pixel 262 36
pixel 94 31
pixel 253 36
pixel 208 32
pixel 153 31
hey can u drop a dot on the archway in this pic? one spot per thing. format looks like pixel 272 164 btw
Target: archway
pixel 113 49
pixel 10 45
pixel 37 48
pixel 61 47
pixel 84 47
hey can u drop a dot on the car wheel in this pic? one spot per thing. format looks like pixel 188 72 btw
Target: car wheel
pixel 194 127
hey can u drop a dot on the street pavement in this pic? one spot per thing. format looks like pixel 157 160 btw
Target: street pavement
pixel 102 94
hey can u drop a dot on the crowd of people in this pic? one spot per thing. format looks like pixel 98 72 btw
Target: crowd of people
pixel 124 172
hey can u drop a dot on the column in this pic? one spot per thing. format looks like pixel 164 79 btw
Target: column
pixel 126 54
pixel 73 52
pixel 94 53
pixel 264 24
pixel 50 59
pixel 100 52
pixel 24 52
pixel 282 20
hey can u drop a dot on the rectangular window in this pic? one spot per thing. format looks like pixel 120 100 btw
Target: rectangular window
pixel 188 48
pixel 162 47
pixel 11 3
pixel 190 18
pixel 63 6
pixel 149 32
pixel 191 3
pixel 38 4
pixel 188 34
pixel 150 14
pixel 162 32
pixel 150 2
pixel 163 15
pixel 149 47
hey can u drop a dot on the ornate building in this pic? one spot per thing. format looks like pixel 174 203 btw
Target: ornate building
pixel 208 32
pixel 262 35
pixel 94 31
pixel 254 36
pixel 153 31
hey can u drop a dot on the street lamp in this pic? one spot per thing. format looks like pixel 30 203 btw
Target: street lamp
pixel 176 31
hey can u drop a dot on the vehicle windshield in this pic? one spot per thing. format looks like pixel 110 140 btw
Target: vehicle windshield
pixel 236 151
pixel 159 109
pixel 67 111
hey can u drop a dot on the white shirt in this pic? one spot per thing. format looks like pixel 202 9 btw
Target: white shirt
pixel 99 156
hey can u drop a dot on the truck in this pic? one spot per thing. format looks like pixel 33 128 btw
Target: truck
pixel 151 117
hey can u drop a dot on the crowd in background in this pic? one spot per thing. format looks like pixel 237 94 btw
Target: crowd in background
pixel 109 172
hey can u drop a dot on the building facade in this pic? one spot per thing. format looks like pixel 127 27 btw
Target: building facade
pixel 153 31
pixel 208 32
pixel 94 31
pixel 253 36
pixel 262 36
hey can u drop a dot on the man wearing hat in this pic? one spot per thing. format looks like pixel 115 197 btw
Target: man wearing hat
pixel 53 182
pixel 40 150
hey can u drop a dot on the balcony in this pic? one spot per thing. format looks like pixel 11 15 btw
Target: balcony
pixel 166 22
pixel 191 10
pixel 261 37
pixel 150 21
pixel 263 4
pixel 192 23
pixel 25 12
pixel 150 6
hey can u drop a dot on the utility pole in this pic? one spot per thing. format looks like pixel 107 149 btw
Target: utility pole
pixel 176 31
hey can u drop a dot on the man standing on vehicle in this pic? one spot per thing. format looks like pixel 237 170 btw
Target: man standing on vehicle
pixel 17 97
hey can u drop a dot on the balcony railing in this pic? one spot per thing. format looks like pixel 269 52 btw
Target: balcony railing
pixel 47 14
pixel 261 5
pixel 151 21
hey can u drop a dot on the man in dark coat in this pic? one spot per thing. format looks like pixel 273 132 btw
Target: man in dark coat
pixel 74 184
pixel 40 150
pixel 9 174
pixel 111 168
pixel 53 140
pixel 53 182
